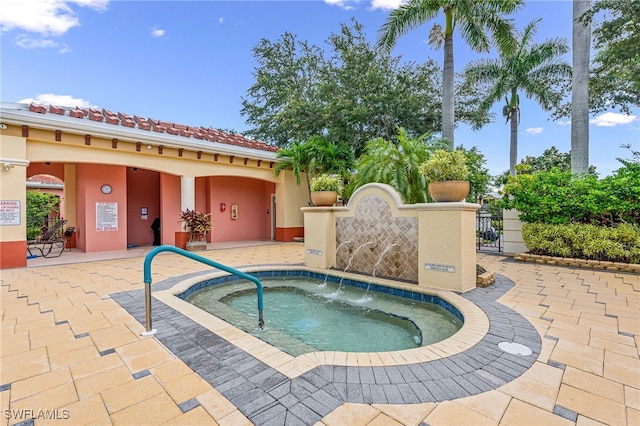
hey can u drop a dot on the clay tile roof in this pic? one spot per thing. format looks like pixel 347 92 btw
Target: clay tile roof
pixel 45 179
pixel 149 124
pixel 37 108
pixel 56 110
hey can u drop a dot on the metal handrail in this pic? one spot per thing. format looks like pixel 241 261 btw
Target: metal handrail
pixel 147 281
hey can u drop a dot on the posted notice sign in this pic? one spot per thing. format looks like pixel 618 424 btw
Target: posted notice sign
pixel 106 216
pixel 9 212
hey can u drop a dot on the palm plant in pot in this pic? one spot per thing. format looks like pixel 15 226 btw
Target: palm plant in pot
pixel 325 189
pixel 198 224
pixel 447 174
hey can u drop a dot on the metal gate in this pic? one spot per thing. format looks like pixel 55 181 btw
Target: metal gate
pixel 489 231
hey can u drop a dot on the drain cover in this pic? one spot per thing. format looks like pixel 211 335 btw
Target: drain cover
pixel 515 348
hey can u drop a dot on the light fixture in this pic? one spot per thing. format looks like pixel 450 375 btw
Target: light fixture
pixel 149 147
pixel 10 163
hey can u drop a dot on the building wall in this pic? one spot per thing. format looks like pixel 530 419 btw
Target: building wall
pixel 143 191
pixel 91 201
pixel 13 239
pixel 290 198
pixel 252 198
pixel 84 162
pixel 169 207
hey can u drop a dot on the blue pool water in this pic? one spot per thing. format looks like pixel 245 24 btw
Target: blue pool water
pixel 304 315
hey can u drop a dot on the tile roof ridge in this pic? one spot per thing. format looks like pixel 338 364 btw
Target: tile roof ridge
pixel 149 124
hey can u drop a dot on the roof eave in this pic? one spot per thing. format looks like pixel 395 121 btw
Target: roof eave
pixel 109 131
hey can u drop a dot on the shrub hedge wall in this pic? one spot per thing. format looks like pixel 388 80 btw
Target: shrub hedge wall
pixel 579 216
pixel 616 244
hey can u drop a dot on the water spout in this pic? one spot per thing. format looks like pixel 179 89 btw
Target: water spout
pixel 369 243
pixel 337 250
pixel 375 267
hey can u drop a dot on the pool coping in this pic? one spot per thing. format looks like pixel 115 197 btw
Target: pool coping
pixel 474 328
pixel 267 396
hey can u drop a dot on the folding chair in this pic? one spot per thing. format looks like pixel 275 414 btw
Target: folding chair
pixel 52 237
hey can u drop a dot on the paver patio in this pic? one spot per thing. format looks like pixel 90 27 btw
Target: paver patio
pixel 71 352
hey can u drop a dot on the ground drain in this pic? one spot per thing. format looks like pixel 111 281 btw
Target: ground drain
pixel 515 348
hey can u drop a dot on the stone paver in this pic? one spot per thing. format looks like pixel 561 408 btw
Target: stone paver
pixel 69 351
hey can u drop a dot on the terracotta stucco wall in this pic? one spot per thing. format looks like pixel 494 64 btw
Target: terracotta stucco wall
pixel 169 207
pixel 143 191
pixel 90 177
pixel 252 198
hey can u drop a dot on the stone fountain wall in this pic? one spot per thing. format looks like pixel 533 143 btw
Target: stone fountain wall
pixel 374 223
pixel 435 241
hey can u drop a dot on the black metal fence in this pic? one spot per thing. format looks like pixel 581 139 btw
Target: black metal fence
pixel 489 231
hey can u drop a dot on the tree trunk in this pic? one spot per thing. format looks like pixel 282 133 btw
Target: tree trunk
pixel 447 85
pixel 513 142
pixel 581 45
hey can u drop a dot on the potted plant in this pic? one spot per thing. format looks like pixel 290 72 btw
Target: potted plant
pixel 325 189
pixel 197 224
pixel 447 174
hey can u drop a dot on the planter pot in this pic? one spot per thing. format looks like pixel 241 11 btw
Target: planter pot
pixel 181 239
pixel 324 198
pixel 196 246
pixel 449 191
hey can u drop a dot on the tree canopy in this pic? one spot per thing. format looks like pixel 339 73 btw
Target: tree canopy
pixel 349 92
pixel 614 80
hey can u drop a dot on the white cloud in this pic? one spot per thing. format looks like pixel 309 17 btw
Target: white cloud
pixel 386 4
pixel 57 100
pixel 157 32
pixel 612 119
pixel 43 43
pixel 534 130
pixel 345 4
pixel 47 17
pixel 221 20
pixel 564 123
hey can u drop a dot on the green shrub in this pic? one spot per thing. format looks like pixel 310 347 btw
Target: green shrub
pixel 39 206
pixel 445 165
pixel 326 182
pixel 560 197
pixel 618 243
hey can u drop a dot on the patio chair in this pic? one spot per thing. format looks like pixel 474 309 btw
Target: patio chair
pixel 48 240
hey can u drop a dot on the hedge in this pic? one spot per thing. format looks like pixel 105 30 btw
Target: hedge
pixel 616 244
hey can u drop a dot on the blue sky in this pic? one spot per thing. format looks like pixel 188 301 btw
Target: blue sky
pixel 190 62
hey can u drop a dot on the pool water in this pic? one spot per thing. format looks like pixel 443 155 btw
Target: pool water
pixel 307 315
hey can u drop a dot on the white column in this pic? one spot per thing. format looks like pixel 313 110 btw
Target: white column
pixel 187 193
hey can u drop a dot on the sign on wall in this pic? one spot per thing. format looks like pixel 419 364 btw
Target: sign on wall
pixel 9 212
pixel 106 216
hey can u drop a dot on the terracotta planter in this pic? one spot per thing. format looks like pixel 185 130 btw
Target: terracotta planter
pixel 181 239
pixel 324 198
pixel 449 190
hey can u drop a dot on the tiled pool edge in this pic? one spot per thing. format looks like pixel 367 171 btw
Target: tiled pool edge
pixel 474 327
pixel 266 396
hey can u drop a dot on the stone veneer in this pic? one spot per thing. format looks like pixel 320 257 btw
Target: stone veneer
pixel 373 222
pixel 431 245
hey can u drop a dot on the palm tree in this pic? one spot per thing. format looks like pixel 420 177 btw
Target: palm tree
pixel 314 156
pixel 398 164
pixel 581 43
pixel 536 69
pixel 475 19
